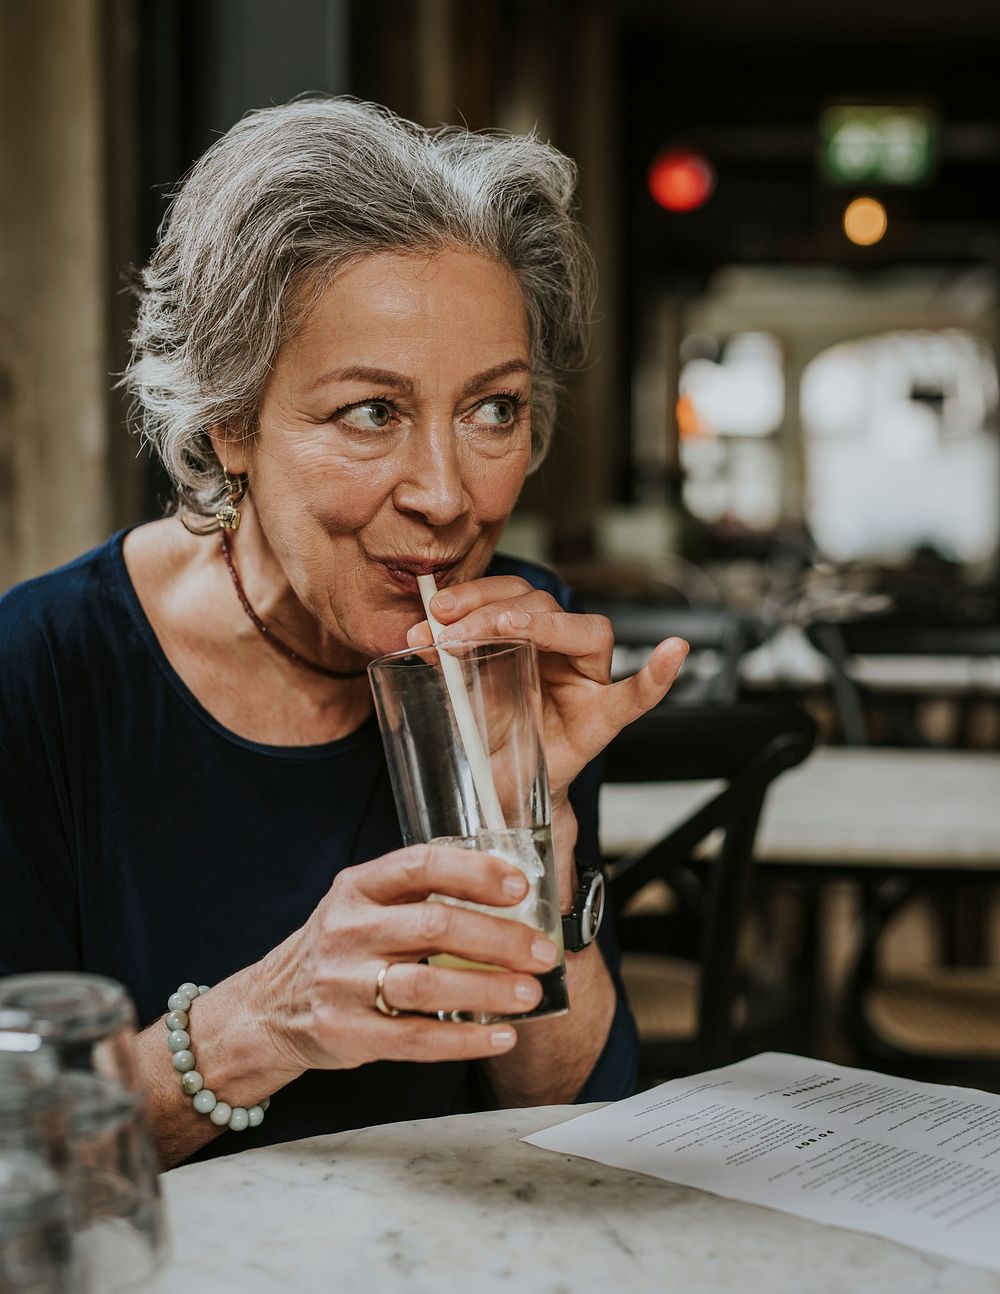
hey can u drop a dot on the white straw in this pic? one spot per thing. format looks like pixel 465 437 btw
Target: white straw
pixel 468 731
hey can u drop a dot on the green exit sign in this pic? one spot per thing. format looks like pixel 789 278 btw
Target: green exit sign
pixel 877 145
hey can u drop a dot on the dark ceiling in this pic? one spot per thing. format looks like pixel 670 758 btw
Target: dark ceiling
pixel 789 19
pixel 745 84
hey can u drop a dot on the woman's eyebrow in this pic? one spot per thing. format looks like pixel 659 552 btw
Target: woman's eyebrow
pixel 385 377
pixel 507 369
pixel 377 376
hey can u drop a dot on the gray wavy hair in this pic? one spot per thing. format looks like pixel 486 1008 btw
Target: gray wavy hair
pixel 292 194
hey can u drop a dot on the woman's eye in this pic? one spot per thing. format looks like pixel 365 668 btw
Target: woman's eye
pixel 499 412
pixel 371 416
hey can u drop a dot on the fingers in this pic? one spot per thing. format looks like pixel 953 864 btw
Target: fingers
pixel 412 930
pixel 412 986
pixel 630 699
pixel 424 1039
pixel 362 1035
pixel 459 600
pixel 586 639
pixel 410 874
pixel 481 621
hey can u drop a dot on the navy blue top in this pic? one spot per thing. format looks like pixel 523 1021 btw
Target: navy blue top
pixel 141 839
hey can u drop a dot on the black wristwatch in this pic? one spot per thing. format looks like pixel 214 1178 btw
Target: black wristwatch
pixel 581 925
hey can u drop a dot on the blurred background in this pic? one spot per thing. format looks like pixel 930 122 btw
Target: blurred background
pixel 786 438
pixel 794 209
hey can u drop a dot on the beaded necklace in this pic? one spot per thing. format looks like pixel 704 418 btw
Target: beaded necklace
pixel 268 634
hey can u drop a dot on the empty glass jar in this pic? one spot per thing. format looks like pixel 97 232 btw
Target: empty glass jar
pixel 88 1023
pixel 37 1254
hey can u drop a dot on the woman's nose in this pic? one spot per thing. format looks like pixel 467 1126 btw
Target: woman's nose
pixel 431 483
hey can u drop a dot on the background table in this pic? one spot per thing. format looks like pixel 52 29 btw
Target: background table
pixel 788 660
pixel 843 809
pixel 928 675
pixel 460 1204
pixel 857 814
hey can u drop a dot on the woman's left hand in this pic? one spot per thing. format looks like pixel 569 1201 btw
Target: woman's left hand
pixel 582 709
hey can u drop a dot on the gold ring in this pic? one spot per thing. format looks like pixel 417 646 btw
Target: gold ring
pixel 380 1003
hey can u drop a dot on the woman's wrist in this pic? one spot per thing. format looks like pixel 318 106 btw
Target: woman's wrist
pixel 192 1082
pixel 554 1057
pixel 232 1032
pixel 234 1057
pixel 564 834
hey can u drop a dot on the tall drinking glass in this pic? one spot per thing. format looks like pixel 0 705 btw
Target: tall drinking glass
pixel 435 786
pixel 89 1024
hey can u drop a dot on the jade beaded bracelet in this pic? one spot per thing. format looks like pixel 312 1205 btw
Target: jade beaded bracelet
pixel 221 1113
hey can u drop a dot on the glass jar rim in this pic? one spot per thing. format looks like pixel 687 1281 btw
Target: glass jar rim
pixel 395 659
pixel 68 1007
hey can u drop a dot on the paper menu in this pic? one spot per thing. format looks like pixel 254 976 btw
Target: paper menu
pixel 913 1162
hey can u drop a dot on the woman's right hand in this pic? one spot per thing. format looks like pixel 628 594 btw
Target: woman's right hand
pixel 320 983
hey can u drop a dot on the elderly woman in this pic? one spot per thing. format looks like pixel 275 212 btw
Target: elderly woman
pixel 346 358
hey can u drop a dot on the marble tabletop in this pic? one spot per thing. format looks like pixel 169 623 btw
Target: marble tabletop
pixel 861 807
pixel 461 1204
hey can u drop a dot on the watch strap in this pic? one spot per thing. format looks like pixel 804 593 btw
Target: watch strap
pixel 581 924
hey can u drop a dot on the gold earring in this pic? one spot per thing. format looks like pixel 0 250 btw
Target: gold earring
pixel 228 515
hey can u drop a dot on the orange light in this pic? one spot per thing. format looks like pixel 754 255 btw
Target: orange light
pixel 689 424
pixel 865 221
pixel 681 181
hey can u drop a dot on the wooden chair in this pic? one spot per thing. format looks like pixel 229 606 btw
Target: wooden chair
pixel 680 966
pixel 942 1023
pixel 840 641
pixel 718 639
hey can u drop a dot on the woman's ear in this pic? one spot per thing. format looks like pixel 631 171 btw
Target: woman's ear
pixel 231 443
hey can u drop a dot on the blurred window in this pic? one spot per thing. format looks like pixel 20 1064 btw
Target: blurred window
pixel 900 447
pixel 732 402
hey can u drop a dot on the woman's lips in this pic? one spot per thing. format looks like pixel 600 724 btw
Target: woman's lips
pixel 403 574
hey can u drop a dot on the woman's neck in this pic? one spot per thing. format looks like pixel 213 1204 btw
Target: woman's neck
pixel 275 603
pixel 237 676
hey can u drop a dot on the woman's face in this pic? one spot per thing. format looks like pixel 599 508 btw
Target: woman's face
pixel 394 436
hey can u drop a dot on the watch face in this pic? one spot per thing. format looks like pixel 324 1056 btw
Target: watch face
pixel 593 909
pixel 580 927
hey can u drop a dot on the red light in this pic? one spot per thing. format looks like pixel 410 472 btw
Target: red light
pixel 681 181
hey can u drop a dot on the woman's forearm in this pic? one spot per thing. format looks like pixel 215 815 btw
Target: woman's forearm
pixel 553 1058
pixel 233 1054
